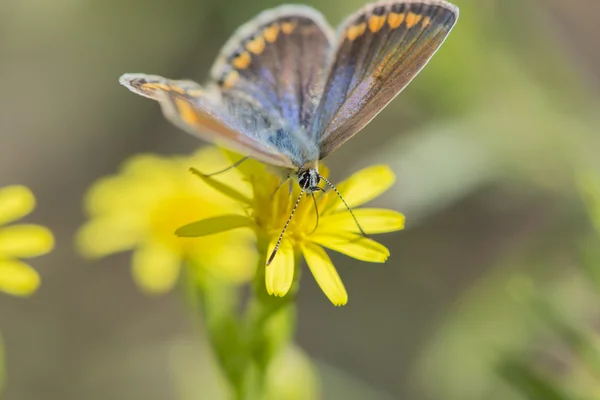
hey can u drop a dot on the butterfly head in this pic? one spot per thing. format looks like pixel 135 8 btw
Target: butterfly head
pixel 309 180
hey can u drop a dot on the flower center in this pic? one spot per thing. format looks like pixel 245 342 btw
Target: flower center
pixel 273 206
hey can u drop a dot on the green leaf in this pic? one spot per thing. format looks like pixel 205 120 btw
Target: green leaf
pixel 210 226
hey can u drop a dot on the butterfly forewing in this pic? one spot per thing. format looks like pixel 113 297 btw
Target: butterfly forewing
pixel 380 50
pixel 202 112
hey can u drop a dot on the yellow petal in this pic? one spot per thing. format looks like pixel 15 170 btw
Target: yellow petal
pixel 372 220
pixel 325 273
pixel 221 187
pixel 155 268
pixel 25 241
pixel 210 226
pixel 231 257
pixel 142 181
pixel 247 168
pixel 353 245
pixel 280 273
pixel 18 278
pixel 103 236
pixel 15 202
pixel 361 187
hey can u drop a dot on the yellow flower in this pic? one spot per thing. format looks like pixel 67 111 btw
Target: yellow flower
pixel 268 208
pixel 140 209
pixel 20 241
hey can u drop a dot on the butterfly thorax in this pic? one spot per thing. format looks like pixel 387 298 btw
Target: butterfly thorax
pixel 296 145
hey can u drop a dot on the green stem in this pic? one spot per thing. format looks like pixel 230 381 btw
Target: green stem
pixel 269 323
pixel 245 345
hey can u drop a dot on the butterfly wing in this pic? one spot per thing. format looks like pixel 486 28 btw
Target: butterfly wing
pixel 264 90
pixel 278 58
pixel 203 113
pixel 380 50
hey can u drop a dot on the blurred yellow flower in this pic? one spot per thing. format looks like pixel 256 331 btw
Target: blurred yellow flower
pixel 20 241
pixel 268 208
pixel 141 207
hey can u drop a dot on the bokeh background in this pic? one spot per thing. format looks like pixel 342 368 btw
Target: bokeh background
pixel 486 143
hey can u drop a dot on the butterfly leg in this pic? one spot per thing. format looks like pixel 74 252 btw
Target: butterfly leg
pixel 238 162
pixel 287 178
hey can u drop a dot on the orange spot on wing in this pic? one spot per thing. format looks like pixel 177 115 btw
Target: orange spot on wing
pixel 177 89
pixel 155 86
pixel 356 30
pixel 186 111
pixel 376 22
pixel 426 22
pixel 231 79
pixel 194 117
pixel 412 19
pixel 288 27
pixel 257 45
pixel 271 33
pixel 395 20
pixel 242 61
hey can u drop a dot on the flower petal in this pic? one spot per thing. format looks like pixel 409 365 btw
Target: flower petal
pixel 361 187
pixel 353 245
pixel 103 236
pixel 247 168
pixel 25 241
pixel 221 187
pixel 18 278
pixel 16 201
pixel 372 220
pixel 325 273
pixel 214 225
pixel 155 268
pixel 279 275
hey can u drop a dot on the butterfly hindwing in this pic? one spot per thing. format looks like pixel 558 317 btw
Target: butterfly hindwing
pixel 202 112
pixel 380 50
pixel 278 58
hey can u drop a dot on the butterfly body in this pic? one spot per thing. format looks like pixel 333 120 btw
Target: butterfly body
pixel 288 91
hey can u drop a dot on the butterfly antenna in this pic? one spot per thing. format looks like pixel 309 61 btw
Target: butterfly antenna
pixel 346 204
pixel 235 164
pixel 285 227
pixel 316 210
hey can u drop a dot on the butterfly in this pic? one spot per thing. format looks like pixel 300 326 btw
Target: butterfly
pixel 287 90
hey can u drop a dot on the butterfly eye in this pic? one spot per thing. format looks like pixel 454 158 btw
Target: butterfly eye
pixel 304 179
pixel 309 179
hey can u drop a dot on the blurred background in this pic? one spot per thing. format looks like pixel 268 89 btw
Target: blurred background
pixel 489 292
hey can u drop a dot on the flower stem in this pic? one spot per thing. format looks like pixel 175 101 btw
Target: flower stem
pixel 269 323
pixel 246 344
